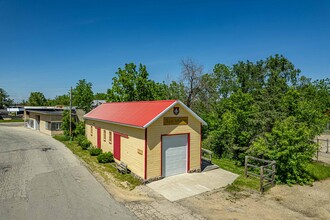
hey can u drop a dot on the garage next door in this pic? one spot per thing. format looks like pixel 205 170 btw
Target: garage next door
pixel 174 154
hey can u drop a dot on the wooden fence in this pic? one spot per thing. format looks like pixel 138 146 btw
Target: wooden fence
pixel 207 155
pixel 266 171
pixel 318 140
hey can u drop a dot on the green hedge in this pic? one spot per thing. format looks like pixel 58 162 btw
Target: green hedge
pixel 105 158
pixel 95 151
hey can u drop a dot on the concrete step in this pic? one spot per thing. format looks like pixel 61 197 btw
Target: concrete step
pixel 210 167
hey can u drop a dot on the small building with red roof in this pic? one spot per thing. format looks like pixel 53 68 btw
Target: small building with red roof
pixel 154 139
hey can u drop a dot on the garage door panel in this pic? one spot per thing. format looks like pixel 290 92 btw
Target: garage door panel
pixel 174 154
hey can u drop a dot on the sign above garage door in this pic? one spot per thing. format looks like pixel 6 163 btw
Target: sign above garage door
pixel 175 120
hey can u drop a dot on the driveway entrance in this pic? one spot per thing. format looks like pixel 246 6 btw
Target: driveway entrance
pixel 185 185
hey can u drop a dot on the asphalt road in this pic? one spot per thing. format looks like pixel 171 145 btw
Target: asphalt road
pixel 41 179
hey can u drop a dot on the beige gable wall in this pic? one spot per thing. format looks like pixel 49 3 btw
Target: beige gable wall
pixel 129 146
pixel 156 129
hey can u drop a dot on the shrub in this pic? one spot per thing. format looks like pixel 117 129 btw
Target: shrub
pixel 80 129
pixel 95 151
pixel 79 139
pixel 105 157
pixel 85 144
pixel 290 146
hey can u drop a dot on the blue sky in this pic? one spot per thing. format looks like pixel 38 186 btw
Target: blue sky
pixel 49 45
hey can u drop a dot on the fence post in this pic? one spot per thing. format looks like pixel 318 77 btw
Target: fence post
pixel 273 175
pixel 261 179
pixel 318 148
pixel 246 163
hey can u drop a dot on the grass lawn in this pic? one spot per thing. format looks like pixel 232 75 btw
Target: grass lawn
pixel 241 182
pixel 319 170
pixel 14 120
pixel 103 169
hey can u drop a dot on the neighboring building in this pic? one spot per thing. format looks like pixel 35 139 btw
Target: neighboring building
pixel 97 103
pixel 47 120
pixel 15 110
pixel 153 138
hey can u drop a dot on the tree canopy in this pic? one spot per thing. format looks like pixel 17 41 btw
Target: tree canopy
pixel 5 101
pixel 37 99
pixel 60 100
pixel 82 95
pixel 133 84
pixel 264 109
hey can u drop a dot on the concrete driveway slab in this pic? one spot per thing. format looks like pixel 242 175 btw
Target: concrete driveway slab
pixel 185 185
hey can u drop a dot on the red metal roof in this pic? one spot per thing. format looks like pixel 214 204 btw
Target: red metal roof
pixel 137 114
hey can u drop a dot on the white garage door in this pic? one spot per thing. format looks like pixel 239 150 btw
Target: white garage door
pixel 174 153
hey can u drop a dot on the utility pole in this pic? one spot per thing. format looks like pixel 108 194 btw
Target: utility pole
pixel 70 113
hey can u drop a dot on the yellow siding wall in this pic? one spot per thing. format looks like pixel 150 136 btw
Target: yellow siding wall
pixel 156 129
pixel 129 146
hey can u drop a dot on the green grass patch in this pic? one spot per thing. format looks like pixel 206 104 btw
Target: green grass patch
pixel 103 169
pixel 13 120
pixel 319 170
pixel 241 182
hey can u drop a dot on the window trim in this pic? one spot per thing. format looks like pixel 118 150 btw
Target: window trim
pixel 110 137
pixel 104 135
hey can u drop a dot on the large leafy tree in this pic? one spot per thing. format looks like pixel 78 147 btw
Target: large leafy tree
pixel 289 144
pixel 133 84
pixel 5 101
pixel 100 96
pixel 82 95
pixel 254 108
pixel 60 100
pixel 37 99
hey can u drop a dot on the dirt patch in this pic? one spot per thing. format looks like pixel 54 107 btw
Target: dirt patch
pixel 281 202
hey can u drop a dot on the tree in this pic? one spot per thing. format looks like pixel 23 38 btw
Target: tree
pixel 60 100
pixel 176 90
pixel 264 109
pixel 82 95
pixel 5 101
pixel 289 144
pixel 66 123
pixel 191 77
pixel 100 96
pixel 37 99
pixel 132 84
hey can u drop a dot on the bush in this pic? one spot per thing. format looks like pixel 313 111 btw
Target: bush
pixel 79 139
pixel 95 151
pixel 290 146
pixel 80 129
pixel 85 144
pixel 105 158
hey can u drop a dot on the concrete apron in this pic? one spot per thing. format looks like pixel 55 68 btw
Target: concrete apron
pixel 186 185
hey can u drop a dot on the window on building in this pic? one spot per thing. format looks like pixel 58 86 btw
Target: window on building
pixel 110 137
pixel 53 126
pixel 104 135
pixel 91 130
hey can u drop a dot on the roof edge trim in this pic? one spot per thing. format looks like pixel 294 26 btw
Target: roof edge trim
pixel 160 114
pixel 116 123
pixel 174 103
pixel 193 113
